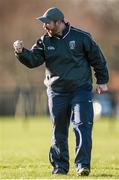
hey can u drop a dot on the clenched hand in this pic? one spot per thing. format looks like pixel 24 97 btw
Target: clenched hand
pixel 18 46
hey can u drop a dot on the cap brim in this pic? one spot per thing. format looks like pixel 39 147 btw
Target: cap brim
pixel 43 19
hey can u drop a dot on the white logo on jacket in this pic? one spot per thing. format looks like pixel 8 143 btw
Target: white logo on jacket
pixel 51 48
pixel 72 44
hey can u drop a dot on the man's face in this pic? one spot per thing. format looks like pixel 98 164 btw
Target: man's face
pixel 51 27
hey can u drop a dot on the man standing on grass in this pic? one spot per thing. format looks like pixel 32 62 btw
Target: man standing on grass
pixel 68 54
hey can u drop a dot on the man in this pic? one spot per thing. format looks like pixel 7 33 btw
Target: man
pixel 68 54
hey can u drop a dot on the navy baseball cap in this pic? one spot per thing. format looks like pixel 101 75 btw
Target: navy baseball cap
pixel 52 14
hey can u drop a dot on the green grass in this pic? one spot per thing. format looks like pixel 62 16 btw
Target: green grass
pixel 24 148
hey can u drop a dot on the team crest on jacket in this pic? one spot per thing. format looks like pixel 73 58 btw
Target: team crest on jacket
pixel 72 44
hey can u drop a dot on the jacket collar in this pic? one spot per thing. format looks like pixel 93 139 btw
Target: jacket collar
pixel 65 32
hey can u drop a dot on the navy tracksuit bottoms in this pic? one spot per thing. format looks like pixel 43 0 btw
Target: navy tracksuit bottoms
pixel 75 107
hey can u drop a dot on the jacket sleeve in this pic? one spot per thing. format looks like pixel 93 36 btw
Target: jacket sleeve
pixel 96 59
pixel 33 57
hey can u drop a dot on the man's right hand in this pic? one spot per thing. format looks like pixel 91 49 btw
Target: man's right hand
pixel 18 46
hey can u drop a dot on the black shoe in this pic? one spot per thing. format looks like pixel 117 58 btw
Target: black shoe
pixel 83 171
pixel 59 172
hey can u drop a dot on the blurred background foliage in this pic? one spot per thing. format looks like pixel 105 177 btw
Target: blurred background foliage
pixel 18 21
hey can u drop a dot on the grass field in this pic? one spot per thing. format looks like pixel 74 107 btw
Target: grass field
pixel 24 147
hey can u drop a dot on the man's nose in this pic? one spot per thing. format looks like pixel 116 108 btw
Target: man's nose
pixel 44 25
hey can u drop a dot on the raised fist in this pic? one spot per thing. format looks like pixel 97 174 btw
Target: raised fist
pixel 18 46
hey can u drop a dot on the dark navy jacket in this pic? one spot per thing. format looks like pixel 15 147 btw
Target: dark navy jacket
pixel 68 59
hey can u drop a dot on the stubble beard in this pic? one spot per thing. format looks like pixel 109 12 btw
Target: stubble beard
pixel 52 32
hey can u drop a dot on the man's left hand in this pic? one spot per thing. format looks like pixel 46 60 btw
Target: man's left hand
pixel 101 88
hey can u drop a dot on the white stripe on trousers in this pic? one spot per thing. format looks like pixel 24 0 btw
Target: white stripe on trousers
pixel 80 141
